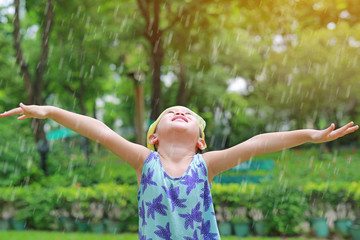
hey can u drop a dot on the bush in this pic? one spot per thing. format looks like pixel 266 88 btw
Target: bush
pixel 69 167
pixel 283 207
pixel 18 157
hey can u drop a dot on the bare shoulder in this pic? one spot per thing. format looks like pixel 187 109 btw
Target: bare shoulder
pixel 138 156
pixel 222 160
pixel 212 160
pixel 211 156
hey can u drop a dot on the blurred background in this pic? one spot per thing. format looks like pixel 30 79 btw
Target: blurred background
pixel 247 67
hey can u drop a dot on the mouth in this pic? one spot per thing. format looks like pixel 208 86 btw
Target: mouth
pixel 179 117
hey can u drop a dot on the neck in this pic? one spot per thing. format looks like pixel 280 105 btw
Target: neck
pixel 177 150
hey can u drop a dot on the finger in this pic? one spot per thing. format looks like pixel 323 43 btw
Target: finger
pixel 12 112
pixel 23 117
pixel 23 106
pixel 329 129
pixel 348 128
pixel 351 129
pixel 344 128
pixel 348 125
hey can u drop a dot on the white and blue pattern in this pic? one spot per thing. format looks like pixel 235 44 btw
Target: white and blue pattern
pixel 176 208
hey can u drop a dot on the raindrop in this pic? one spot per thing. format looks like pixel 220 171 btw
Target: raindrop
pixel 189 47
pixel 105 196
pixel 198 29
pixel 348 91
pixel 92 70
pixel 187 22
pixel 283 97
pixel 116 10
pixel 198 63
pixel 70 34
pixel 222 22
pixel 237 37
pixel 78 11
pixel 116 40
pixel 332 41
pixel 312 94
pixel 325 83
pixel 196 18
pixel 290 79
pixel 87 24
pixel 5 167
pixel 180 11
pixel 103 172
pixel 75 180
pixel 169 39
pixel 68 76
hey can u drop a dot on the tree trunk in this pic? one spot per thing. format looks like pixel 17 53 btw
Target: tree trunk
pixel 156 98
pixel 34 87
pixel 182 96
pixel 151 12
pixel 139 113
pixel 157 54
pixel 139 109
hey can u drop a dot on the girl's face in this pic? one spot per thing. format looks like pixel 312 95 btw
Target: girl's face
pixel 179 119
pixel 180 122
pixel 177 123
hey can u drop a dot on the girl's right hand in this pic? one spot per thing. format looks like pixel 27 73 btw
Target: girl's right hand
pixel 28 111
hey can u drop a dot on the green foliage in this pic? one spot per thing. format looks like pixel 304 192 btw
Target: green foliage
pixel 18 157
pixel 69 166
pixel 295 166
pixel 284 208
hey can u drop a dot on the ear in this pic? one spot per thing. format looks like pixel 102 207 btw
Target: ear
pixel 153 139
pixel 201 144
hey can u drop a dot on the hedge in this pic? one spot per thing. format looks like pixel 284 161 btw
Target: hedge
pixel 283 206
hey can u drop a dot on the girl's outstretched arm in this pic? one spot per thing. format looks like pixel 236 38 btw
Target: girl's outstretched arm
pixel 219 161
pixel 132 153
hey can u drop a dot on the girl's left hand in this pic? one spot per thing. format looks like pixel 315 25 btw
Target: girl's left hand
pixel 330 134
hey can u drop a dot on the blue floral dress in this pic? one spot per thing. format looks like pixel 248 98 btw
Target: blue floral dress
pixel 176 208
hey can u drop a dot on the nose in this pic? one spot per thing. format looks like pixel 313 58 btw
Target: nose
pixel 180 113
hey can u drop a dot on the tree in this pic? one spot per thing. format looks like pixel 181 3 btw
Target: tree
pixel 80 58
pixel 34 85
pixel 160 17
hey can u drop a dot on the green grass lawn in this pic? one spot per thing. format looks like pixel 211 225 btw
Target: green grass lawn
pixel 39 235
